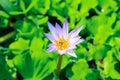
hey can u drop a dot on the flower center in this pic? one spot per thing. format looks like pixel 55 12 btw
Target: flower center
pixel 62 43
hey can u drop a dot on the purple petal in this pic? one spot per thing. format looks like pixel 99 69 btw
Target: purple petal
pixel 71 52
pixel 75 32
pixel 50 37
pixel 52 45
pixel 65 28
pixel 50 49
pixel 51 28
pixel 58 30
pixel 74 40
pixel 79 41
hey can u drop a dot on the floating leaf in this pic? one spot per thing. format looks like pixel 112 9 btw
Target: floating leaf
pixel 111 66
pixel 17 45
pixel 81 71
pixel 35 66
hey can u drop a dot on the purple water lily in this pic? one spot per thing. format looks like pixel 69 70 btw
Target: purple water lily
pixel 62 41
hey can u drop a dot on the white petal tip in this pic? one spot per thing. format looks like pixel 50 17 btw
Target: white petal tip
pixel 74 56
pixel 80 28
pixel 72 53
pixel 81 40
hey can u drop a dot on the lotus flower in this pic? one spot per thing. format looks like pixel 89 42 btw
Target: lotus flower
pixel 62 41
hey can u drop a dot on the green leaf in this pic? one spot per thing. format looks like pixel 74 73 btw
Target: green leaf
pixel 81 71
pixel 21 45
pixel 7 5
pixel 34 67
pixel 111 66
pixel 31 5
pixel 22 5
pixel 86 6
pixel 105 6
pixel 26 28
pixel 99 52
pixel 23 63
pixel 36 45
pixel 4 14
pixel 41 6
pixel 93 75
pixel 4 70
pixel 106 31
pixel 42 20
pixel 16 12
pixel 3 22
pixel 117 26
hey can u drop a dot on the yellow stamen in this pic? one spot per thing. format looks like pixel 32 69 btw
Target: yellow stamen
pixel 62 43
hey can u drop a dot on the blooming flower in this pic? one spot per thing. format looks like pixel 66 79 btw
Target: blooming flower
pixel 62 41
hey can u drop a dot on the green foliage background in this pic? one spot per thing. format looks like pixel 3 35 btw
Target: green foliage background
pixel 23 43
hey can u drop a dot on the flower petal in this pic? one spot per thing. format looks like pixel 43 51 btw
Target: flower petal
pixel 50 49
pixel 50 37
pixel 72 47
pixel 52 45
pixel 65 29
pixel 58 30
pixel 71 52
pixel 62 52
pixel 74 40
pixel 79 41
pixel 52 29
pixel 75 32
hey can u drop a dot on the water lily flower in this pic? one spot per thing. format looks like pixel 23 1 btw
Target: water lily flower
pixel 62 41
